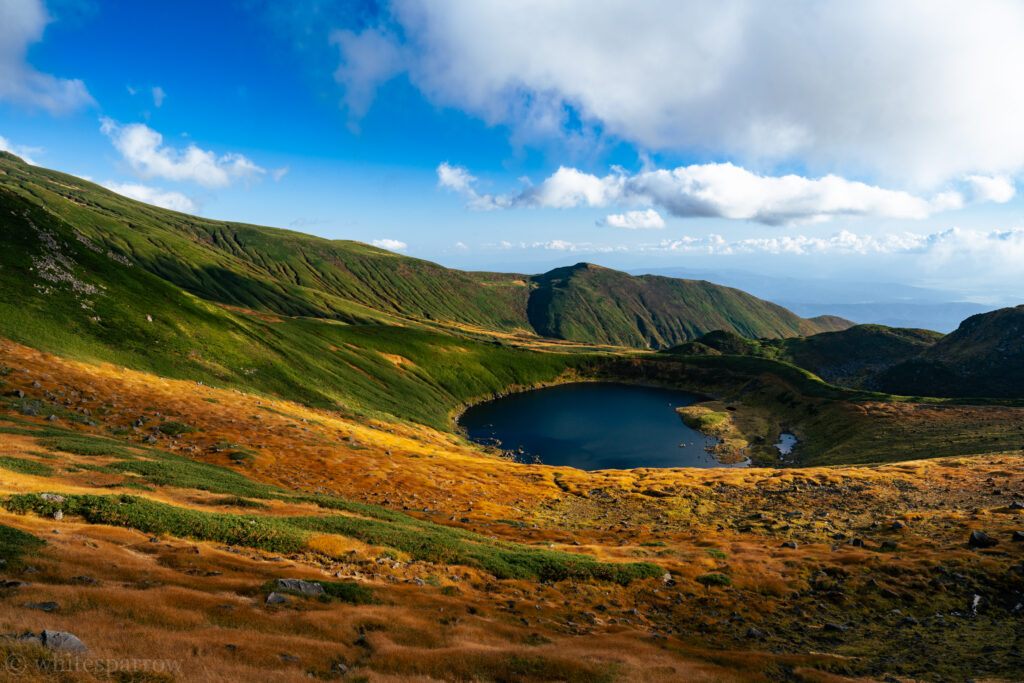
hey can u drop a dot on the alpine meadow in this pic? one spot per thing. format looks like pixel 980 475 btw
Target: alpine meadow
pixel 459 420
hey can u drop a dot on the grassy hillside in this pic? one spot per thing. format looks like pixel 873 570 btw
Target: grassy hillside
pixel 853 357
pixel 588 302
pixel 66 294
pixel 982 357
pixel 424 558
pixel 287 273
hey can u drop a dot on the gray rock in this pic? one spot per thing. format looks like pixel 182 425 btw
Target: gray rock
pixel 833 628
pixel 300 586
pixel 1018 536
pixel 755 633
pixel 789 544
pixel 979 539
pixel 63 641
pixel 1016 505
pixel 52 497
pixel 897 525
pixel 276 599
pixel 45 606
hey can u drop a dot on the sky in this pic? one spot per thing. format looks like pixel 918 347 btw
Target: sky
pixel 877 141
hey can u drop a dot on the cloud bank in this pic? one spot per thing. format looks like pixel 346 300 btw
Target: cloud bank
pixel 143 149
pixel 920 91
pixel 390 245
pixel 722 191
pixel 22 23
pixel 175 201
pixel 634 220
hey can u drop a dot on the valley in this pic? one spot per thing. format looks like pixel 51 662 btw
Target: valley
pixel 193 413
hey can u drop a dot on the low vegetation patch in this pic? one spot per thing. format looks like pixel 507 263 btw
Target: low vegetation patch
pixel 173 428
pixel 422 540
pixel 14 544
pixel 151 517
pixel 25 466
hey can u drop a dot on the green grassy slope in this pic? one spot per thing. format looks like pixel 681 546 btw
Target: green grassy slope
pixel 287 273
pixel 982 357
pixel 598 304
pixel 66 294
pixel 266 269
pixel 853 357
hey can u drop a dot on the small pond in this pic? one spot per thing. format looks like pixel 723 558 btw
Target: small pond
pixel 592 426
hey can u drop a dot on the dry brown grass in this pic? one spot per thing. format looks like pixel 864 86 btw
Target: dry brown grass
pixel 203 604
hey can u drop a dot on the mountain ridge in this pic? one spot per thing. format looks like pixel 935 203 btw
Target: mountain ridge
pixel 284 272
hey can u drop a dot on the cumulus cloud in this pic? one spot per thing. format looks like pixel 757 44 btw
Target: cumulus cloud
pixel 999 189
pixel 920 91
pixel 634 220
pixel 21 151
pixel 367 59
pixel 707 190
pixel 175 201
pixel 143 149
pixel 22 24
pixel 389 244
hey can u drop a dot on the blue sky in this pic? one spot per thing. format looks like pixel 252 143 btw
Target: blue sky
pixel 861 141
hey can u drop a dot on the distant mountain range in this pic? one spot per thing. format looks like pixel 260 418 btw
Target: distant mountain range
pixel 878 303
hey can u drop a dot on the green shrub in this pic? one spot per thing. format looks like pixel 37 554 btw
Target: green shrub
pixel 172 428
pixel 23 466
pixel 714 579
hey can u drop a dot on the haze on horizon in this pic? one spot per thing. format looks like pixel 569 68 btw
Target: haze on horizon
pixel 858 153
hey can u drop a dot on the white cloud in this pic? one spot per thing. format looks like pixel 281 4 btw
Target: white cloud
pixel 158 96
pixel 634 220
pixel 19 150
pixel 175 201
pixel 454 178
pixel 391 245
pixel 143 148
pixel 707 190
pixel 22 23
pixel 998 189
pixel 279 173
pixel 920 91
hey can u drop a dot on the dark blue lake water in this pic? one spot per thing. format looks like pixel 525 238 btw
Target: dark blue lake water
pixel 593 426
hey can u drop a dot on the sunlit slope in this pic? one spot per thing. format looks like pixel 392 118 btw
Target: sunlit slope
pixel 267 269
pixel 288 273
pixel 70 294
pixel 610 307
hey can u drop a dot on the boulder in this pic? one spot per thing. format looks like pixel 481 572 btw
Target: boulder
pixel 979 539
pixel 1018 536
pixel 276 599
pixel 45 606
pixel 789 544
pixel 63 641
pixel 300 586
